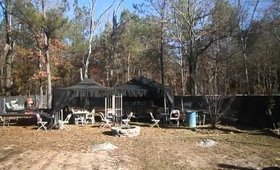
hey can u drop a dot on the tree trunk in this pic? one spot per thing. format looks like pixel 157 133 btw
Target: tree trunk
pixel 244 42
pixel 8 70
pixel 8 50
pixel 192 83
pixel 2 73
pixel 40 69
pixel 86 62
pixel 162 60
pixel 192 72
pixel 162 69
pixel 182 70
pixel 81 74
pixel 128 66
pixel 245 58
pixel 48 60
pixel 49 82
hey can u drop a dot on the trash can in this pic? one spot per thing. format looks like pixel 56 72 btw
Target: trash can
pixel 192 119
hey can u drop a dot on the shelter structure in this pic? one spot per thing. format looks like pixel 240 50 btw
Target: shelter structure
pixel 154 96
pixel 78 95
pixel 89 94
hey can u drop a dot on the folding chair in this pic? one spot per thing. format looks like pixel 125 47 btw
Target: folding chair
pixel 79 116
pixel 107 122
pixel 4 121
pixel 200 118
pixel 40 122
pixel 90 117
pixel 156 121
pixel 175 116
pixel 127 120
pixel 65 122
pixel 79 120
pixel 110 114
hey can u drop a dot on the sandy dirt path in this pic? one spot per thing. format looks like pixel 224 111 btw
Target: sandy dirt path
pixel 54 160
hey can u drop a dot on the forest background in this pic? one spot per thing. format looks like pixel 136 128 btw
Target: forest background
pixel 197 47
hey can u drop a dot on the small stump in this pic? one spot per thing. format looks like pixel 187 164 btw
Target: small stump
pixel 126 131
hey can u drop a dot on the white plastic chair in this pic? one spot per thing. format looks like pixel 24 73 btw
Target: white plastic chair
pixel 4 121
pixel 127 120
pixel 175 116
pixel 40 122
pixel 156 121
pixel 110 114
pixel 106 122
pixel 90 117
pixel 65 122
pixel 200 118
pixel 78 117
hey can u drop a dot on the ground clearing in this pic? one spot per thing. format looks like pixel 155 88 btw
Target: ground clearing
pixel 172 148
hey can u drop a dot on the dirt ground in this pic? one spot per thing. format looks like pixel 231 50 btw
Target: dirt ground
pixel 23 147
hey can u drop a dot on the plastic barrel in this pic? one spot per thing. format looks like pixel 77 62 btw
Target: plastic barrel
pixel 192 119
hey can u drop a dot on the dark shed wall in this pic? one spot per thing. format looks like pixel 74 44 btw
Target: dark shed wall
pixel 249 110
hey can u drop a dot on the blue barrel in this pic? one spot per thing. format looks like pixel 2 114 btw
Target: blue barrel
pixel 192 119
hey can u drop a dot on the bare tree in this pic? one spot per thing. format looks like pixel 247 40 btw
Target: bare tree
pixel 115 62
pixel 92 29
pixel 46 53
pixel 272 14
pixel 193 19
pixel 213 82
pixel 42 28
pixel 244 34
pixel 215 85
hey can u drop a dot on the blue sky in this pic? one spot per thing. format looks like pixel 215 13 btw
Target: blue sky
pixel 102 5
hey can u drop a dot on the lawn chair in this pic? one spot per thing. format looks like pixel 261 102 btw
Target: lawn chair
pixel 40 122
pixel 90 117
pixel 200 118
pixel 79 116
pixel 65 122
pixel 175 116
pixel 4 121
pixel 156 121
pixel 127 120
pixel 106 122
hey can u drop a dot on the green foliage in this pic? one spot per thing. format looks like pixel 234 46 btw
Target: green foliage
pixel 50 24
pixel 53 22
pixel 200 39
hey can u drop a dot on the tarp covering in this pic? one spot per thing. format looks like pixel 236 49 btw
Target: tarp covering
pixel 87 90
pixel 130 90
pixel 153 88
